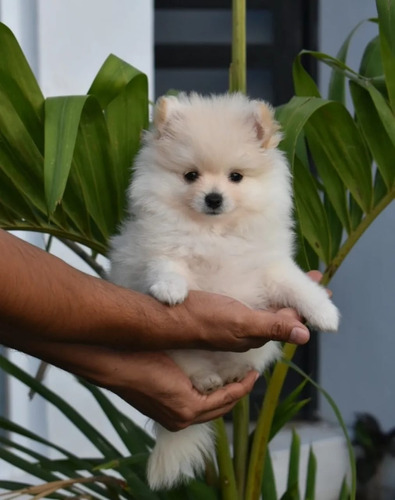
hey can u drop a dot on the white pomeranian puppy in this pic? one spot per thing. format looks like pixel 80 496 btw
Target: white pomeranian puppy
pixel 211 209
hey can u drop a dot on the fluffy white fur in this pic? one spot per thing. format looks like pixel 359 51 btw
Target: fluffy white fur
pixel 177 240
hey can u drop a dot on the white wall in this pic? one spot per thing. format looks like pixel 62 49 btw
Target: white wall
pixel 66 42
pixel 356 365
pixel 21 17
pixel 75 37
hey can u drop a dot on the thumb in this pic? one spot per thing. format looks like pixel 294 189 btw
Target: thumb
pixel 285 325
pixel 299 335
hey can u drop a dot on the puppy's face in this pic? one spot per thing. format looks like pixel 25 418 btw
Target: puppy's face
pixel 212 193
pixel 213 156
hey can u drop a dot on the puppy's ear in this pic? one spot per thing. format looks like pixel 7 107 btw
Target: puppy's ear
pixel 266 127
pixel 167 108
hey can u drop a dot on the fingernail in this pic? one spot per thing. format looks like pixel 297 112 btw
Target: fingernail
pixel 299 335
pixel 256 377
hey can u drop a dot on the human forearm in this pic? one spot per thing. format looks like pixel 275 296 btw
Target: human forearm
pixel 42 297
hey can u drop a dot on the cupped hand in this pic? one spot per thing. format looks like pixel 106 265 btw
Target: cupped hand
pixel 161 391
pixel 149 381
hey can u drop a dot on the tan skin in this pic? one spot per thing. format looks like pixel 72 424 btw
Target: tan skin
pixel 113 336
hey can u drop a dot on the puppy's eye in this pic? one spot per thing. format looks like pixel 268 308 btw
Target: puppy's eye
pixel 235 177
pixel 191 176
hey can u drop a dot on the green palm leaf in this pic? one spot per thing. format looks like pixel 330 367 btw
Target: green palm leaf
pixel 337 84
pixel 75 187
pixel 336 145
pixel 62 119
pixel 371 65
pixel 386 12
pixel 268 490
pixel 311 212
pixel 133 436
pixel 111 79
pixel 376 135
pixel 15 71
pixel 57 467
pixel 311 476
pixel 101 443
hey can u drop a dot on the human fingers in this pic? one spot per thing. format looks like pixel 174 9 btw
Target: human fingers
pixel 317 277
pixel 222 401
pixel 228 325
pixel 284 325
pixel 288 327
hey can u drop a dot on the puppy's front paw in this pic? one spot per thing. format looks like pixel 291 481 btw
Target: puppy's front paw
pixel 170 291
pixel 325 317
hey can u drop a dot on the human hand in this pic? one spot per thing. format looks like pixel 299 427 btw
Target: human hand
pixel 45 299
pixel 224 323
pixel 162 391
pixel 149 381
pixel 317 277
pixel 221 323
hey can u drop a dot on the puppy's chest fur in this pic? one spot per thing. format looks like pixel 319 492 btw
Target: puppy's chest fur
pixel 228 264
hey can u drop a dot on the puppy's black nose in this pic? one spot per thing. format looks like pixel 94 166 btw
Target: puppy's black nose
pixel 213 200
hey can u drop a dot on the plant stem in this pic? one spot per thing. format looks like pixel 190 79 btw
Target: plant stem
pixel 92 263
pixel 237 83
pixel 211 475
pixel 225 465
pixel 237 74
pixel 263 426
pixel 241 420
pixel 354 236
pixel 262 432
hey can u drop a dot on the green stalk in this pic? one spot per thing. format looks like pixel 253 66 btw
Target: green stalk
pixel 241 420
pixel 262 431
pixel 80 252
pixel 225 465
pixel 264 424
pixel 353 237
pixel 211 474
pixel 229 476
pixel 237 74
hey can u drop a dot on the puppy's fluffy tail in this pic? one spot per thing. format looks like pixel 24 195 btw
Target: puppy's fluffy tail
pixel 178 455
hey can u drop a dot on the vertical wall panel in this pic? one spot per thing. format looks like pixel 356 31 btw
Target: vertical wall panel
pixel 76 37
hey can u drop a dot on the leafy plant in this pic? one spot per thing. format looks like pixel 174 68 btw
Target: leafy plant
pixel 65 161
pixel 64 167
pixel 355 181
pixel 94 477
